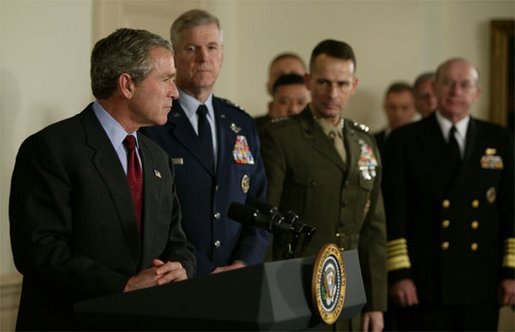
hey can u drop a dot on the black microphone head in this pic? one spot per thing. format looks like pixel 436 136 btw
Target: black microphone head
pixel 263 207
pixel 242 213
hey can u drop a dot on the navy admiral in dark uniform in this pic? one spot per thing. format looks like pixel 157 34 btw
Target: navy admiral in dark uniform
pixel 449 197
pixel 215 149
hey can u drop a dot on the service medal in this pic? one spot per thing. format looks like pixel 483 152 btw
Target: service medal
pixel 241 152
pixel 367 162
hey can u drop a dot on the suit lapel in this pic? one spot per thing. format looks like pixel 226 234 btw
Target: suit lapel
pixel 470 157
pixel 320 141
pixel 183 131
pixel 108 165
pixel 225 137
pixel 432 147
pixel 151 198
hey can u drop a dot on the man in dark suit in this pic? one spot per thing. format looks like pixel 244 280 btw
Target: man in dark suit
pixel 448 192
pixel 216 151
pixel 81 227
pixel 399 107
pixel 327 169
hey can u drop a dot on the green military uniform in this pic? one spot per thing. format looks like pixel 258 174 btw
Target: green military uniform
pixel 341 199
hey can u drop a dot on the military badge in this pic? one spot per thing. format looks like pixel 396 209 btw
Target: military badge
pixel 235 128
pixel 490 160
pixel 241 152
pixel 328 283
pixel 491 195
pixel 245 184
pixel 367 162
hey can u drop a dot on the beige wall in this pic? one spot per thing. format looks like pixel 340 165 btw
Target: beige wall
pixel 45 48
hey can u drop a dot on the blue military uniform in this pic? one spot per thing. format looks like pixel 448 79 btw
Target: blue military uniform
pixel 205 195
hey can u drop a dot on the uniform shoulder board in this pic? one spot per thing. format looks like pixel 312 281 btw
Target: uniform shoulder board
pixel 361 126
pixel 230 103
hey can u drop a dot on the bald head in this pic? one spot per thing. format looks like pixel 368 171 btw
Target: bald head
pixel 456 88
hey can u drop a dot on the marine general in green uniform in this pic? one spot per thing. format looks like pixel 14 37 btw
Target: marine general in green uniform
pixel 327 170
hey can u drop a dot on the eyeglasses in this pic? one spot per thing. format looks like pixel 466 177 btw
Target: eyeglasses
pixel 463 85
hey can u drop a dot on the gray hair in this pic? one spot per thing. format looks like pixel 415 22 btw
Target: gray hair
pixel 190 19
pixel 428 76
pixel 123 51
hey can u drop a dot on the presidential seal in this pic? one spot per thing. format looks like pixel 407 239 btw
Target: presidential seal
pixel 328 283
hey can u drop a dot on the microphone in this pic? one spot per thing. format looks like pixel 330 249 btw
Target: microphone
pixel 287 228
pixel 249 216
pixel 271 219
pixel 264 207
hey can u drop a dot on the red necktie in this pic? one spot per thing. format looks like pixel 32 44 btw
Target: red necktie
pixel 134 176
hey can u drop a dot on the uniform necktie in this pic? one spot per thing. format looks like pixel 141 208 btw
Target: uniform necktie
pixel 134 176
pixel 453 151
pixel 204 134
pixel 338 144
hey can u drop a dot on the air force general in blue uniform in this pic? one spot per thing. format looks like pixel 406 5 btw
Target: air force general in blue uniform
pixel 205 195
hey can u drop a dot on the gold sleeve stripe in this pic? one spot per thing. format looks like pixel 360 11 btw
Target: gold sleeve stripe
pixel 397 242
pixel 398 258
pixel 509 253
pixel 508 261
pixel 397 263
pixel 397 252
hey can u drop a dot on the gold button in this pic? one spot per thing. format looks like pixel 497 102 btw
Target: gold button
pixel 337 234
pixel 446 223
pixel 446 203
pixel 474 224
pixel 474 246
pixel 445 245
pixel 475 204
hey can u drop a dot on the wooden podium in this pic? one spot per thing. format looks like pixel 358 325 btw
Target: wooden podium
pixel 270 296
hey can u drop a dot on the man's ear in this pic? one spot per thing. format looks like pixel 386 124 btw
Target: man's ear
pixel 126 85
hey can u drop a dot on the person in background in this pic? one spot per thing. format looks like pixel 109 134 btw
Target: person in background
pixel 425 100
pixel 290 96
pixel 327 169
pixel 449 193
pixel 283 64
pixel 93 208
pixel 215 149
pixel 399 107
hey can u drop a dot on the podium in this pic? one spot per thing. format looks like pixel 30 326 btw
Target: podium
pixel 270 296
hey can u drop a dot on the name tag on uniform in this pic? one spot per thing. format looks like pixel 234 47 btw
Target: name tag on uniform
pixel 177 161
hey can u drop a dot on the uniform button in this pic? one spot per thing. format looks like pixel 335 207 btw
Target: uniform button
pixel 446 223
pixel 445 245
pixel 216 188
pixel 446 203
pixel 217 244
pixel 313 183
pixel 474 224
pixel 475 204
pixel 217 216
pixel 474 246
